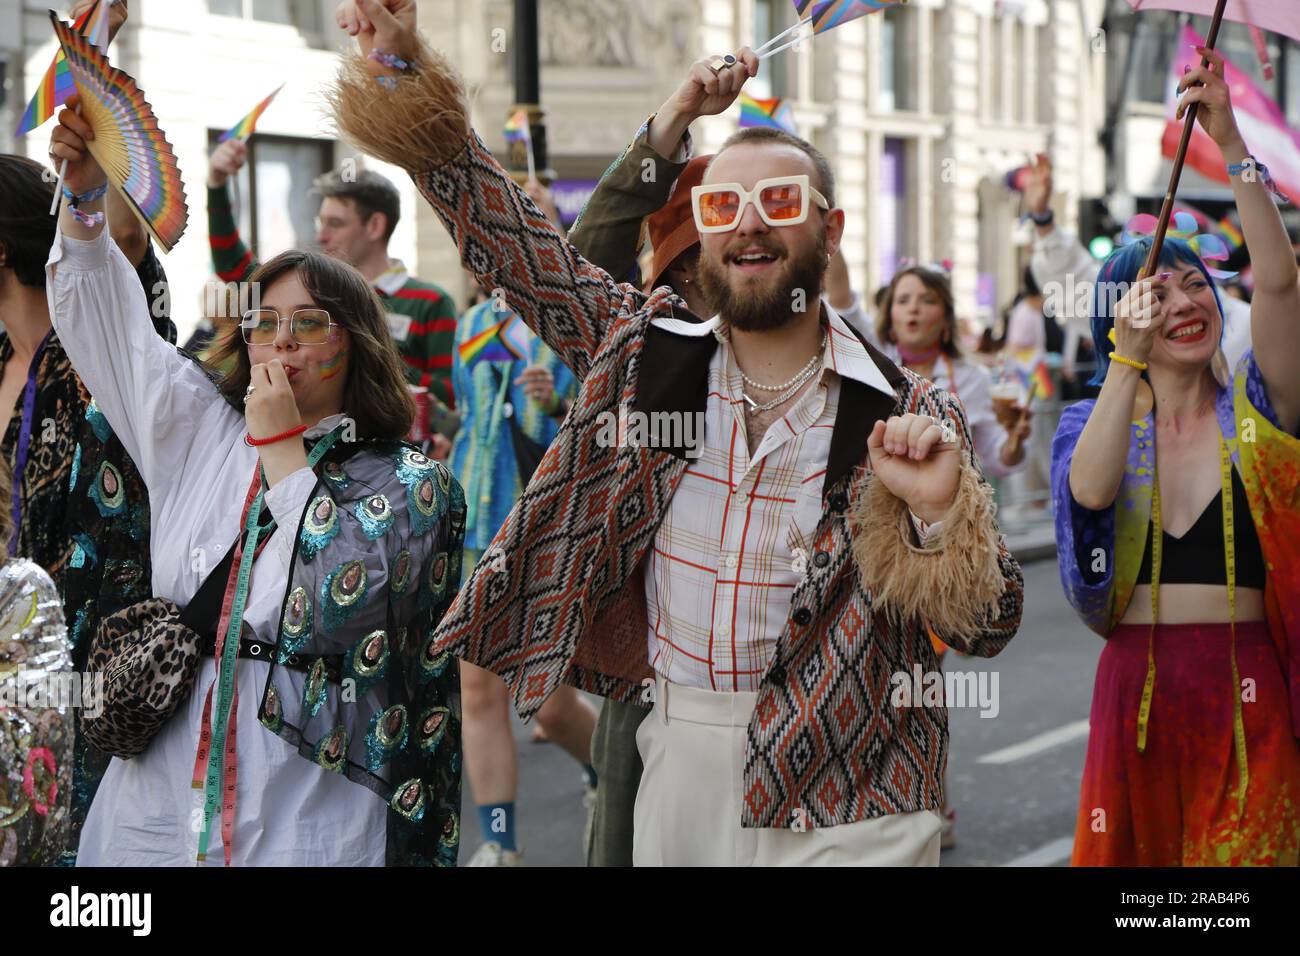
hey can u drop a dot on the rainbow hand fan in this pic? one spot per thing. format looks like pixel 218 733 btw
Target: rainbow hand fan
pixel 128 144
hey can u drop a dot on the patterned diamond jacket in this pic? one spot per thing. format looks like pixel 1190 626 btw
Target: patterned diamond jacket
pixel 566 603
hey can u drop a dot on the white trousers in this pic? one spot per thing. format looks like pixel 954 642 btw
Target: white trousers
pixel 688 804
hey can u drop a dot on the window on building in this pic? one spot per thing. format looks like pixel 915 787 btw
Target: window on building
pixel 303 14
pixel 1154 41
pixel 897 89
pixel 774 73
pixel 274 205
pixel 891 208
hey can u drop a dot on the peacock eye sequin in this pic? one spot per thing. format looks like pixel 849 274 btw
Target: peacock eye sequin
pixel 432 728
pixel 387 735
pixel 272 713
pixel 314 690
pixel 319 528
pixel 343 592
pixel 375 515
pixel 432 664
pixel 295 625
pixel 336 476
pixel 408 799
pixel 438 576
pixel 422 498
pixel 107 491
pixel 368 660
pixel 451 831
pixel 332 751
pixel 400 578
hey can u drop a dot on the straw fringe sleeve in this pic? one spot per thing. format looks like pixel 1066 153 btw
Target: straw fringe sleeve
pixel 419 124
pixel 954 586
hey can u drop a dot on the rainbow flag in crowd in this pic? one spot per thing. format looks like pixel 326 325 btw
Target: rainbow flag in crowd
pixel 1041 381
pixel 246 126
pixel 1231 233
pixel 507 341
pixel 771 112
pixel 830 14
pixel 55 88
pixel 517 129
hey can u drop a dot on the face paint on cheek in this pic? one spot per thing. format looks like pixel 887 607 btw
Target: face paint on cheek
pixel 329 369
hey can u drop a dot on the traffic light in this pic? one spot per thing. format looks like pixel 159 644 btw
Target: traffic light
pixel 1097 228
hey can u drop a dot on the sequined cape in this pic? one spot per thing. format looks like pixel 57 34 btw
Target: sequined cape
pixel 35 737
pixel 376 562
pixel 1099 553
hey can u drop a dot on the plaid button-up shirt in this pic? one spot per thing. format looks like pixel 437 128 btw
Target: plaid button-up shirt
pixel 738 534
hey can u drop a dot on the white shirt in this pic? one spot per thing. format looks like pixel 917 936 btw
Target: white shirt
pixel 738 534
pixel 188 444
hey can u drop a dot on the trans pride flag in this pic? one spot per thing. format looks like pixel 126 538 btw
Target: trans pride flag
pixel 55 88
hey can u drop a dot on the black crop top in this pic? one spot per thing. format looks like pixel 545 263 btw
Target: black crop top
pixel 1197 557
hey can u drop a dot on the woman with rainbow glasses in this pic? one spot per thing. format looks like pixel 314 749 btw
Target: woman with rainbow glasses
pixel 1178 539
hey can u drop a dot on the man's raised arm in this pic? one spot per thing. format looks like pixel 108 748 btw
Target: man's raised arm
pixel 403 102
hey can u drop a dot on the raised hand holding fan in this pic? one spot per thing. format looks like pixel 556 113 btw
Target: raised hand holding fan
pixel 130 147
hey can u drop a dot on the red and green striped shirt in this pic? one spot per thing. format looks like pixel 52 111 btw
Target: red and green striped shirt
pixel 421 315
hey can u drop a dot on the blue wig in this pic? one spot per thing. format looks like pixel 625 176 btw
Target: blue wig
pixel 1118 272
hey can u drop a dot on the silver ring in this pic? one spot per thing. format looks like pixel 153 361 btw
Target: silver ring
pixel 249 391
pixel 721 62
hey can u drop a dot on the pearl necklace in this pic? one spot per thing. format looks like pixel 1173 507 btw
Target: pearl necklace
pixel 793 386
pixel 799 376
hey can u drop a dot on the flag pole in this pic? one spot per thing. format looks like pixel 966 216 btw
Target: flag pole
pixel 784 33
pixel 1189 127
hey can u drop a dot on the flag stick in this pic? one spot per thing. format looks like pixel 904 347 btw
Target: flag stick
pixel 783 46
pixel 1189 127
pixel 784 33
pixel 532 163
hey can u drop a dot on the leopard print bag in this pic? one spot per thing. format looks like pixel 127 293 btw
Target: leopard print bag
pixel 148 658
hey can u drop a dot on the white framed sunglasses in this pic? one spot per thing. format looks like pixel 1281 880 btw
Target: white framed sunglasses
pixel 780 201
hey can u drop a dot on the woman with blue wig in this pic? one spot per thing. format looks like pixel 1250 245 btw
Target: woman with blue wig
pixel 1179 542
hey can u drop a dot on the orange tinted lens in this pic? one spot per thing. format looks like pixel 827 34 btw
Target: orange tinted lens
pixel 719 208
pixel 782 202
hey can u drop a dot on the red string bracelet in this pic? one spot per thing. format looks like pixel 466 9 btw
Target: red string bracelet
pixel 250 440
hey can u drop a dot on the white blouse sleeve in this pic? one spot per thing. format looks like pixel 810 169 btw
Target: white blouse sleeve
pixel 158 402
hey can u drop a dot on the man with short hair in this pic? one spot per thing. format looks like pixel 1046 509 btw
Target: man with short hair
pixel 762 584
pixel 358 215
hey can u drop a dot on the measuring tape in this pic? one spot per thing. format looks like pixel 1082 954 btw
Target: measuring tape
pixel 1230 567
pixel 217 780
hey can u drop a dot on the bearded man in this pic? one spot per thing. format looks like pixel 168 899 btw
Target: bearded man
pixel 763 586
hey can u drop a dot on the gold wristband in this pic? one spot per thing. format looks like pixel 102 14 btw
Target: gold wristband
pixel 1131 363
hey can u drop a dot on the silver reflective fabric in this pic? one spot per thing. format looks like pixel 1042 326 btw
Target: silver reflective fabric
pixel 38 690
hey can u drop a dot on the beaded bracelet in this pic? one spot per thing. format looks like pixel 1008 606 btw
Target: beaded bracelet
pixel 255 442
pixel 1131 363
pixel 391 61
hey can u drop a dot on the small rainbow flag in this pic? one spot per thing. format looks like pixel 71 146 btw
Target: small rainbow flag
pixel 55 88
pixel 1041 382
pixel 830 14
pixel 497 343
pixel 772 112
pixel 248 125
pixel 1231 233
pixel 517 129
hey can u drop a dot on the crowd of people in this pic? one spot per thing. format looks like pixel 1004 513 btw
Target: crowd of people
pixel 386 525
